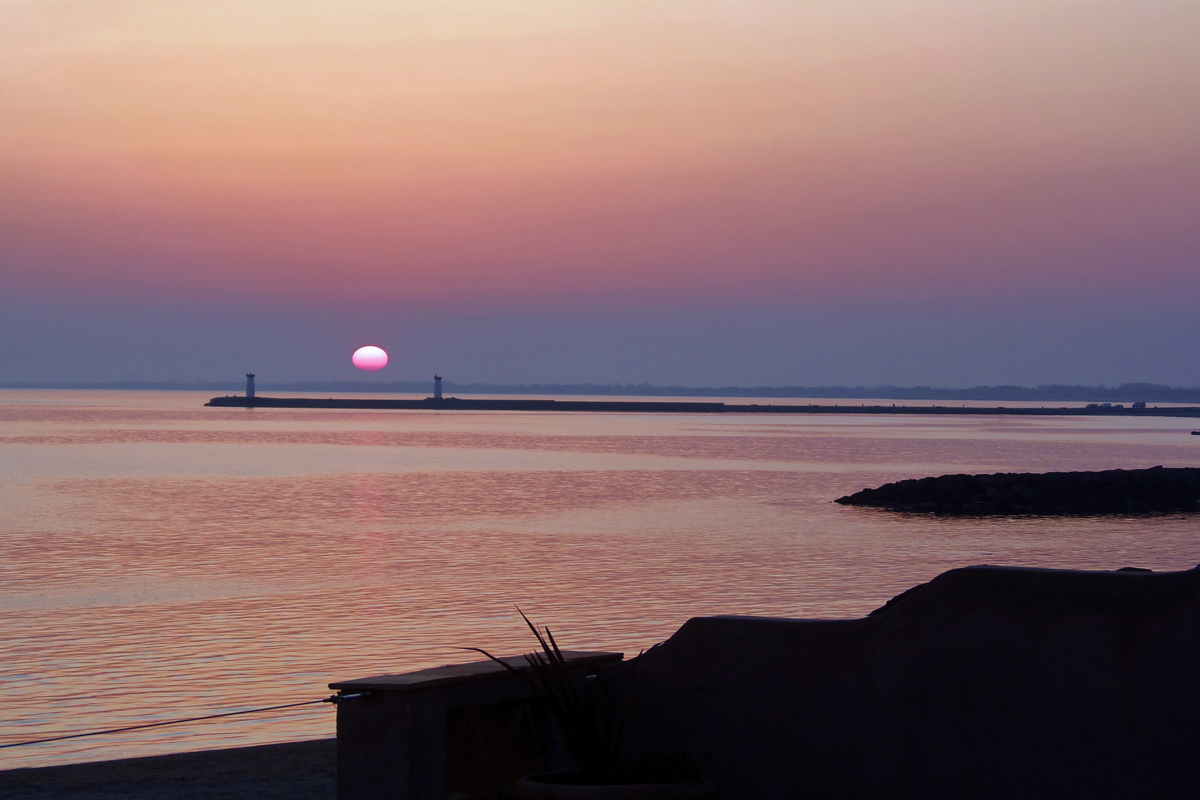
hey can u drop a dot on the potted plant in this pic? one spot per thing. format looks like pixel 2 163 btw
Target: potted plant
pixel 593 716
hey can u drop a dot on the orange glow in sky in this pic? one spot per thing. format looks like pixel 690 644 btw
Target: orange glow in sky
pixel 472 153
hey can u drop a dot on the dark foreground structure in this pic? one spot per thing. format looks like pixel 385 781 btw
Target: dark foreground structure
pixel 986 682
pixel 680 407
pixel 1113 491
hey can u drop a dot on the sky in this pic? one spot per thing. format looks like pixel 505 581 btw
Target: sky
pixel 703 192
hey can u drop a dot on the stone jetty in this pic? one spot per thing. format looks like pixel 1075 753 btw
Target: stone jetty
pixel 1114 491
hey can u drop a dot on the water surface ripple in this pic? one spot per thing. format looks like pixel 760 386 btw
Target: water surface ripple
pixel 162 560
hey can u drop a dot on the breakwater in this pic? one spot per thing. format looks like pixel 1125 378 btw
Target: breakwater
pixel 684 407
pixel 1113 491
pixel 482 404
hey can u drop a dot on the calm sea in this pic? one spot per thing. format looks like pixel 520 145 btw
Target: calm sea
pixel 161 560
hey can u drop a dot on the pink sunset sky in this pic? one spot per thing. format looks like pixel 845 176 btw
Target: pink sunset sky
pixel 760 192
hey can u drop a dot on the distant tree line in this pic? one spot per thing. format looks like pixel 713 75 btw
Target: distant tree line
pixel 1125 393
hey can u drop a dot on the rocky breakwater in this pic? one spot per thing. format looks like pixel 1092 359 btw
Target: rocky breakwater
pixel 1114 491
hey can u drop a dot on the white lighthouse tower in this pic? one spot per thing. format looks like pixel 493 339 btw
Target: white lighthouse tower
pixel 249 385
pixel 437 387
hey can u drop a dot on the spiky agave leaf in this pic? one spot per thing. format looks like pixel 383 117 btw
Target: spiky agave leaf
pixel 592 727
pixel 587 737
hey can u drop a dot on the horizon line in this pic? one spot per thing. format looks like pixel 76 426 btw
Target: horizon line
pixel 1132 391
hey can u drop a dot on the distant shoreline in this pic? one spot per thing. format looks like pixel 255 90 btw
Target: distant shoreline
pixel 684 407
pixel 1125 393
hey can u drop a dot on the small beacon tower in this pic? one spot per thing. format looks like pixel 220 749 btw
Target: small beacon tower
pixel 249 385
pixel 437 387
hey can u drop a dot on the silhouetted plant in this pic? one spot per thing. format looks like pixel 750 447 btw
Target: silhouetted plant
pixel 592 716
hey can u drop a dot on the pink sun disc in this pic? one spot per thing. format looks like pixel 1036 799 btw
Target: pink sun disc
pixel 370 358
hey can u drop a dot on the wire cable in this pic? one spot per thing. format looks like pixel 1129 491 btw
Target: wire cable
pixel 334 699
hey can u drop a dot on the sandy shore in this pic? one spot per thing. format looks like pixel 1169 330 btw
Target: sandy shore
pixel 294 771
